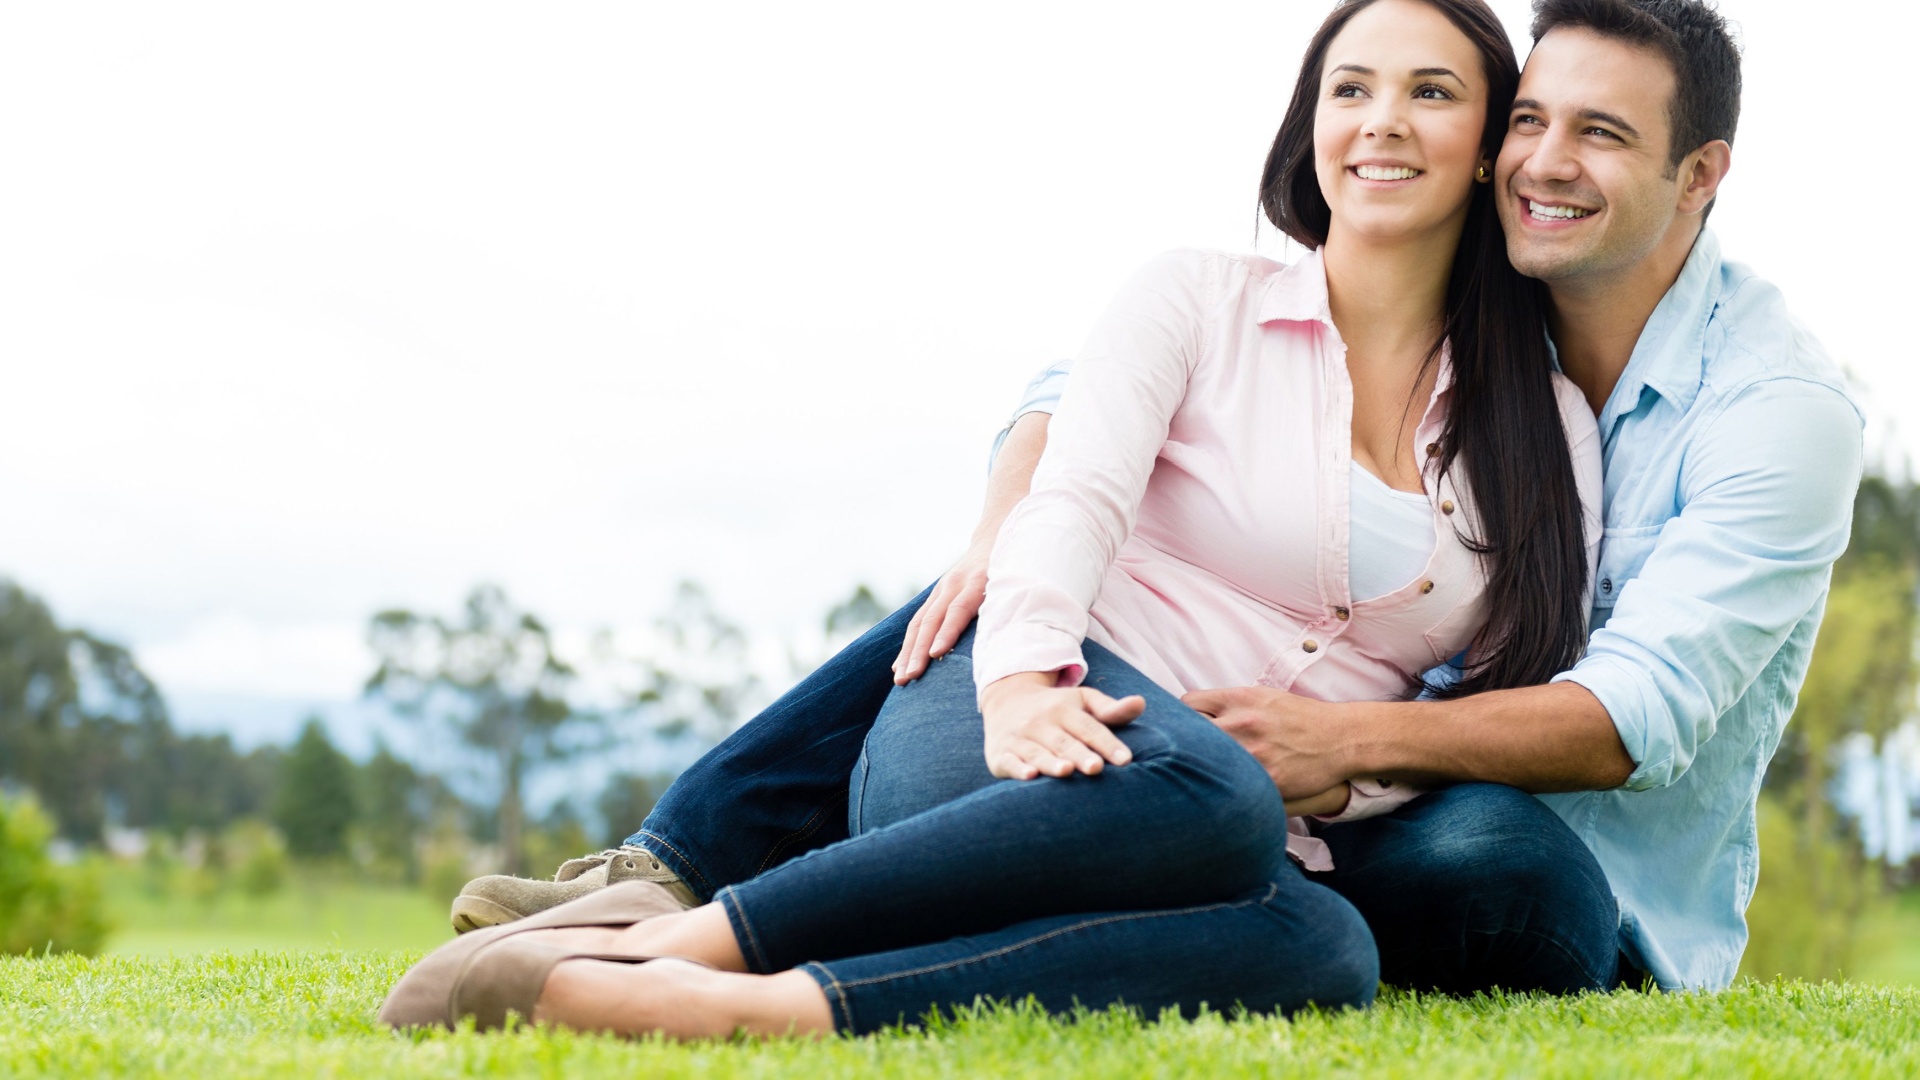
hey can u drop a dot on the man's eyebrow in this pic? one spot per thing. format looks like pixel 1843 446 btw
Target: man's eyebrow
pixel 1607 118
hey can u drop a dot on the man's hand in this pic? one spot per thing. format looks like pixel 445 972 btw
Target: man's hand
pixel 946 614
pixel 1035 728
pixel 1325 804
pixel 1291 736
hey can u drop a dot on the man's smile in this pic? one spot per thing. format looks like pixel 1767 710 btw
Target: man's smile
pixel 1548 213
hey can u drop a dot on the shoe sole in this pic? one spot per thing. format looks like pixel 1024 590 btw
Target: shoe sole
pixel 478 913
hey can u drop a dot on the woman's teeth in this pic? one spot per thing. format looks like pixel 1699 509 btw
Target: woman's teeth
pixel 1381 172
pixel 1555 213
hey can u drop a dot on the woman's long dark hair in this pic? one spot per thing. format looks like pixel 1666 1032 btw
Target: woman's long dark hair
pixel 1503 425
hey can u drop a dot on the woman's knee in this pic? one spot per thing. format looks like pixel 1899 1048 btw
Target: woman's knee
pixel 1322 953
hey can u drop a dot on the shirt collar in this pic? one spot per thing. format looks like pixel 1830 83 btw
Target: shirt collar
pixel 1669 356
pixel 1298 293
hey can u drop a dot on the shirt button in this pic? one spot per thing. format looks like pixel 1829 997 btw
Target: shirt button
pixel 1426 587
pixel 1310 645
pixel 1606 585
pixel 1446 506
pixel 1341 613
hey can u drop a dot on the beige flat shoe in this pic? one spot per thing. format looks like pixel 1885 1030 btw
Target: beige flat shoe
pixel 451 981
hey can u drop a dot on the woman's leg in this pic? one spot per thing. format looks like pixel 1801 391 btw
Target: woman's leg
pixel 778 786
pixel 1278 947
pixel 1193 819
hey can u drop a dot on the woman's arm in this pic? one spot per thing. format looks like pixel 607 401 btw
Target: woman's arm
pixel 956 599
pixel 1058 543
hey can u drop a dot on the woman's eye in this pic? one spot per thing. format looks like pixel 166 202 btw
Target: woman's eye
pixel 1433 93
pixel 1349 90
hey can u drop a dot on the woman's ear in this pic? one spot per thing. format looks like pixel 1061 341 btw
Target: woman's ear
pixel 1484 174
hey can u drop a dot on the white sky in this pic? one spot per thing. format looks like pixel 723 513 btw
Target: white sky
pixel 310 310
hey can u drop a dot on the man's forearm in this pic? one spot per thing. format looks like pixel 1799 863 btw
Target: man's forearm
pixel 1012 474
pixel 1539 738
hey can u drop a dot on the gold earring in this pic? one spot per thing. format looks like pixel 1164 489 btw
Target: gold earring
pixel 1481 174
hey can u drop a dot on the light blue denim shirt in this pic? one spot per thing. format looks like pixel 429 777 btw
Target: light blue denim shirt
pixel 1732 455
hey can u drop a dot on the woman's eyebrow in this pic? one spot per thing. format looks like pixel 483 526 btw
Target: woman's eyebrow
pixel 1425 73
pixel 1355 68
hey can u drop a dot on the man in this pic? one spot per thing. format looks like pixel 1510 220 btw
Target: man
pixel 1731 454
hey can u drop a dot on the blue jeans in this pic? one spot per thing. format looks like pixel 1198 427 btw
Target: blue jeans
pixel 1161 883
pixel 779 787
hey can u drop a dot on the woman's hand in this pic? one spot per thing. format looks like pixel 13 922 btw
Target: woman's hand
pixel 1035 728
pixel 945 616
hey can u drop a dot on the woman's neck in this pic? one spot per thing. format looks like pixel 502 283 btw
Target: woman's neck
pixel 1388 300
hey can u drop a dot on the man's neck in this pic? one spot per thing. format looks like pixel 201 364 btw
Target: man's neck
pixel 1596 320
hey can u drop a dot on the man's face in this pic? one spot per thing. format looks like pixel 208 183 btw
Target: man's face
pixel 1585 189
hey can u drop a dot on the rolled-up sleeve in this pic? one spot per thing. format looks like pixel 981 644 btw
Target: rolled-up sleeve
pixel 1107 430
pixel 1766 499
pixel 1042 395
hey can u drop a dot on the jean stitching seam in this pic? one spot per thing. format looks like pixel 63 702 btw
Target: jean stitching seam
pixel 812 826
pixel 1051 934
pixel 665 843
pixel 840 994
pixel 732 902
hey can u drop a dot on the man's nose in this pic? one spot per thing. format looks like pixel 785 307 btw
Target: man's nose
pixel 1554 157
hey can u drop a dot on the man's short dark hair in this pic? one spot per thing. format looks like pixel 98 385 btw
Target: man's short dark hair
pixel 1694 39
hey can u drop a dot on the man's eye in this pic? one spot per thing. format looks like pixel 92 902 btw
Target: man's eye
pixel 1602 132
pixel 1527 121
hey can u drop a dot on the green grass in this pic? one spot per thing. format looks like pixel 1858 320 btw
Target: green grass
pixel 311 1014
pixel 314 911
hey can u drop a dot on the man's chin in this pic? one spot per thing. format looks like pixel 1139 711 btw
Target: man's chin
pixel 1545 266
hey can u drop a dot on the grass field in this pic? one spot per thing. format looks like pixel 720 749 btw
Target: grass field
pixel 289 986
pixel 311 1014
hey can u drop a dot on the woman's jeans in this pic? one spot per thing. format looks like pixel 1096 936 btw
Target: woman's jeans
pixel 1163 882
pixel 1468 888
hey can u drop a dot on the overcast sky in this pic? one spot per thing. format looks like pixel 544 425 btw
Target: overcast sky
pixel 308 310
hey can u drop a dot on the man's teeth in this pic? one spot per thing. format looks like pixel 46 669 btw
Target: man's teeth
pixel 1381 172
pixel 1555 213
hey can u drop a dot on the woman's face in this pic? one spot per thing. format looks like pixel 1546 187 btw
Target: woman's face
pixel 1396 137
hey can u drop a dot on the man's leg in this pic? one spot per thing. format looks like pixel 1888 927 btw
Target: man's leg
pixel 1477 886
pixel 777 787
pixel 773 789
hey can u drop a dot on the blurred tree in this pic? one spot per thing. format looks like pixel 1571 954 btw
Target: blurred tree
pixel 1816 885
pixel 42 905
pixel 314 804
pixel 627 800
pixel 492 677
pixel 88 732
pixel 392 811
pixel 699 681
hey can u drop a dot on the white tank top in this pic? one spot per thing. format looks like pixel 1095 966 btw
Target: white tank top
pixel 1389 534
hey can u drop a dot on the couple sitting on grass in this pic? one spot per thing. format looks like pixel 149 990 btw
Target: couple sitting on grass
pixel 1314 649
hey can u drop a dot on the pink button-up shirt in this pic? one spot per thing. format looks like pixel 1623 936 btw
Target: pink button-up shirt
pixel 1190 512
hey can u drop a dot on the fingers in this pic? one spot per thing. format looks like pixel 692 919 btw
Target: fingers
pixel 905 659
pixel 913 650
pixel 1099 739
pixel 960 612
pixel 1025 759
pixel 1109 711
pixel 1207 702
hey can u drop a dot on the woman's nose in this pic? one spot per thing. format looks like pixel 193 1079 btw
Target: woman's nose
pixel 1386 120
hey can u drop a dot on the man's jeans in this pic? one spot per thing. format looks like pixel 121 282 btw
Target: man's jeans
pixel 1161 884
pixel 1465 889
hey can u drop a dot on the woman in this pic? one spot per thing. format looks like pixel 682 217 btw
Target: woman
pixel 1325 477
